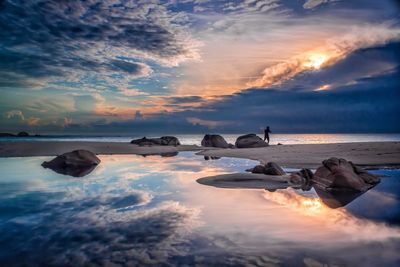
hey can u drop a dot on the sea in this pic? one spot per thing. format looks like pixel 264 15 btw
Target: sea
pixel 190 139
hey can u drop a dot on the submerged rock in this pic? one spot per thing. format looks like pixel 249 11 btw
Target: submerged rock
pixel 77 163
pixel 215 140
pixel 340 174
pixel 250 141
pixel 162 141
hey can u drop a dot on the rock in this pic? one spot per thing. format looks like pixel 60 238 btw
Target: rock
pixel 279 144
pixel 340 174
pixel 170 141
pixel 77 163
pixel 271 168
pixel 257 169
pixel 163 141
pixel 214 140
pixel 250 141
pixel 22 134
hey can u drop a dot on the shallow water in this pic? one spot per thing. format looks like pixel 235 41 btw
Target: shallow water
pixel 135 211
pixel 195 139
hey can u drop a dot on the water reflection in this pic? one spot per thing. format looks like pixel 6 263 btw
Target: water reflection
pixel 336 198
pixel 74 171
pixel 137 211
pixel 211 158
pixel 332 198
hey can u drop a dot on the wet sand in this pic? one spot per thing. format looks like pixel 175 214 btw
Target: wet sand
pixel 371 154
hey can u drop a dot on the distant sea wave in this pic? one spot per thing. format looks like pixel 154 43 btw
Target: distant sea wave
pixel 189 139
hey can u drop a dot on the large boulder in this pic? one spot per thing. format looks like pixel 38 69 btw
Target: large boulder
pixel 169 141
pixel 250 141
pixel 162 141
pixel 214 140
pixel 340 174
pixel 77 163
pixel 271 168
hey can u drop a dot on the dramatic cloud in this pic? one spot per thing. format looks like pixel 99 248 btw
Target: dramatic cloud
pixel 334 51
pixel 54 39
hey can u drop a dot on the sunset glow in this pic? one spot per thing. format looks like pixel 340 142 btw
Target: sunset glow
pixel 316 61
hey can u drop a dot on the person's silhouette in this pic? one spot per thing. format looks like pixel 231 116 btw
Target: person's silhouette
pixel 267 131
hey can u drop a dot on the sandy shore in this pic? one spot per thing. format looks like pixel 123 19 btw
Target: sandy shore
pixel 53 148
pixel 374 154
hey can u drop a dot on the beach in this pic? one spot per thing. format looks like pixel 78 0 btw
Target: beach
pixel 368 154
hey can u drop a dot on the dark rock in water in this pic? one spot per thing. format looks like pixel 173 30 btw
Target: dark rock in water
pixel 340 174
pixel 257 169
pixel 250 141
pixel 7 135
pixel 22 134
pixel 271 168
pixel 163 141
pixel 77 163
pixel 280 144
pixel 214 140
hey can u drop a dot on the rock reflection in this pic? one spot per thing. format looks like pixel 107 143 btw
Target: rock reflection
pixel 75 172
pixel 211 158
pixel 332 198
pixel 336 198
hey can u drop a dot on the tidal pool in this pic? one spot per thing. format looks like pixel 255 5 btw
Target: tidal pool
pixel 134 211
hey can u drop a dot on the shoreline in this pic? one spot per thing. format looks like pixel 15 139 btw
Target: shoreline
pixel 367 154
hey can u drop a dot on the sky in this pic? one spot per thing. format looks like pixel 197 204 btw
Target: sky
pixel 197 66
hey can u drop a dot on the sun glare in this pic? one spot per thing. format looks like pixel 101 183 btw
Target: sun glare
pixel 315 61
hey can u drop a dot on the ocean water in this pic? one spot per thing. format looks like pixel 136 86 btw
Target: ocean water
pixel 137 211
pixel 189 139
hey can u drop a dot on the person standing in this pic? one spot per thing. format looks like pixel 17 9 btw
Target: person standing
pixel 267 131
